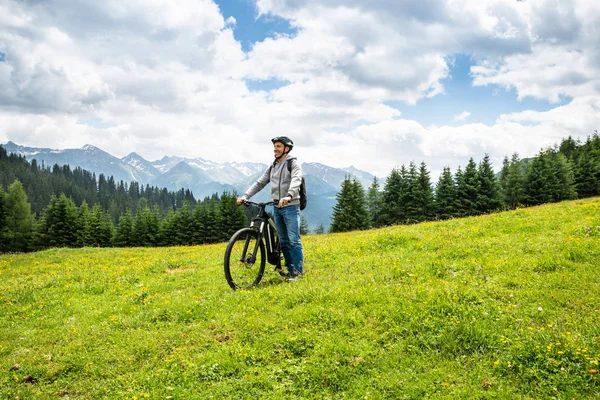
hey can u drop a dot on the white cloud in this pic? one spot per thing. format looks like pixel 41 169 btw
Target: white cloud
pixel 462 116
pixel 170 78
pixel 231 21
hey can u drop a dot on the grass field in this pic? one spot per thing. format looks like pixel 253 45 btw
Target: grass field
pixel 497 306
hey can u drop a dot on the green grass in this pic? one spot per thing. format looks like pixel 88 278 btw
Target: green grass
pixel 497 306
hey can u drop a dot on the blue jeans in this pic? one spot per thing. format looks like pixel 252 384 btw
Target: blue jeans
pixel 287 221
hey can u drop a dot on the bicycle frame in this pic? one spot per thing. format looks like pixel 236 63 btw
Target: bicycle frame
pixel 267 232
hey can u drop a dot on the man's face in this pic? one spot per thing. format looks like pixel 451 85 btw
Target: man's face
pixel 278 149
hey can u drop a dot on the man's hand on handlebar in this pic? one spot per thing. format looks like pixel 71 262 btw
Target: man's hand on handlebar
pixel 284 201
pixel 241 200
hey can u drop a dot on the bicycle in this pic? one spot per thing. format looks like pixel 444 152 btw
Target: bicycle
pixel 245 260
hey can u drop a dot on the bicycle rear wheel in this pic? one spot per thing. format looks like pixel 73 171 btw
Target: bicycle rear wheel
pixel 242 270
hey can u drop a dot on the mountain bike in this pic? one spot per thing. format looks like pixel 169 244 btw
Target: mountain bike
pixel 245 257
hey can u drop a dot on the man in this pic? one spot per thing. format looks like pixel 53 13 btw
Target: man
pixel 285 190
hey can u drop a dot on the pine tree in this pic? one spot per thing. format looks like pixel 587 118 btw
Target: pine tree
pixel 570 148
pixel 423 195
pixel 233 217
pixel 153 225
pixel 85 234
pixel 303 225
pixel 168 230
pixel 3 227
pixel 199 223
pixel 512 182
pixel 320 229
pixel 60 223
pixel 213 221
pixel 350 212
pixel 392 209
pixel 18 218
pixel 488 189
pixel 466 189
pixel 563 170
pixel 410 199
pixel 184 224
pixel 587 170
pixel 445 195
pixel 550 178
pixel 374 201
pixel 123 235
pixel 102 226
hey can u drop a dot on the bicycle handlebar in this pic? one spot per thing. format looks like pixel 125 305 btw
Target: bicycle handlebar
pixel 248 203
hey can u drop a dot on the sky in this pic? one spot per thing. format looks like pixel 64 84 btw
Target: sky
pixel 374 85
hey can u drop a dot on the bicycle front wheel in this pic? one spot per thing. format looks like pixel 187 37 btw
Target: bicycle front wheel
pixel 242 269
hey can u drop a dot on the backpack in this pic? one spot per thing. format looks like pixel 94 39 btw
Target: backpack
pixel 302 187
pixel 303 200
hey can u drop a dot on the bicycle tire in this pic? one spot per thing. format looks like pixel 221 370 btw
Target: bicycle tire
pixel 244 274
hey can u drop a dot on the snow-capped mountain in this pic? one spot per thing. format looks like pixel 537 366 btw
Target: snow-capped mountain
pixel 88 157
pixel 145 168
pixel 335 176
pixel 202 177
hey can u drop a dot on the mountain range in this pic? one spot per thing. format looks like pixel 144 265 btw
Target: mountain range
pixel 202 177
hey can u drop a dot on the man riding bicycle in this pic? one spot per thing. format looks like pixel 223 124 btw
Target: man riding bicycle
pixel 285 191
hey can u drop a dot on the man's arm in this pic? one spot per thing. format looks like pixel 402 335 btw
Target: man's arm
pixel 257 186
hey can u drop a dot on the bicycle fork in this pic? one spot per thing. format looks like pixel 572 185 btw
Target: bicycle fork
pixel 252 258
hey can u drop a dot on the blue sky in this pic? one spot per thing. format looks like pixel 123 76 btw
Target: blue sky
pixel 370 84
pixel 484 103
pixel 250 27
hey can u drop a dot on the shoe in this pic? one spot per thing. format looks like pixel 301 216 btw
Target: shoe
pixel 281 272
pixel 295 277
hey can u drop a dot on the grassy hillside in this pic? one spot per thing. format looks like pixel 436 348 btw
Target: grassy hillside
pixel 498 306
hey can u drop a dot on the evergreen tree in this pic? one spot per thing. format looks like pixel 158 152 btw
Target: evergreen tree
pixel 18 218
pixel 570 148
pixel 303 225
pixel 350 212
pixel 124 232
pixel 445 195
pixel 199 223
pixel 184 225
pixel 320 229
pixel 467 189
pixel 392 209
pixel 550 178
pixel 85 234
pixel 60 224
pixel 563 170
pixel 488 189
pixel 374 201
pixel 3 227
pixel 153 224
pixel 587 170
pixel 102 226
pixel 422 195
pixel 213 221
pixel 168 230
pixel 232 218
pixel 146 225
pixel 512 182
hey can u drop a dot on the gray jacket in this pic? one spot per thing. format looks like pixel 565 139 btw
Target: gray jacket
pixel 283 183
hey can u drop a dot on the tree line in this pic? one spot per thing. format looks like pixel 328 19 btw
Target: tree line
pixel 43 207
pixel 70 208
pixel 566 171
pixel 42 182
